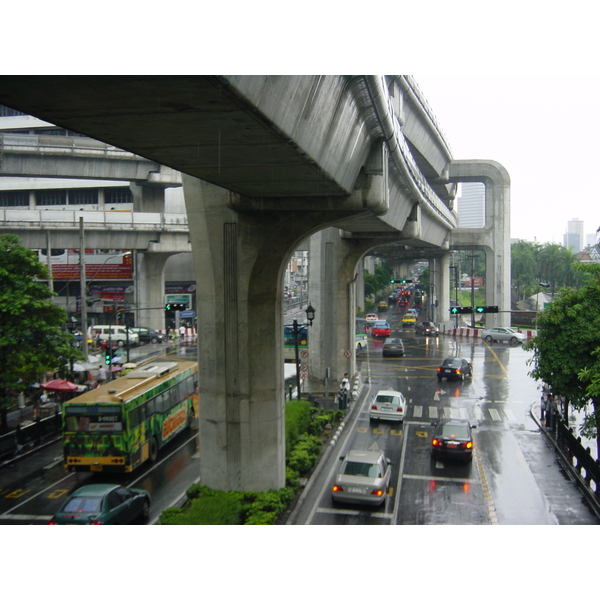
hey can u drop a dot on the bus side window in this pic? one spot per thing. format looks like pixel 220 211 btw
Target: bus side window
pixel 134 417
pixel 150 407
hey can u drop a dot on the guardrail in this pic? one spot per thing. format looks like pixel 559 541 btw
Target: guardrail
pixel 30 434
pixel 101 219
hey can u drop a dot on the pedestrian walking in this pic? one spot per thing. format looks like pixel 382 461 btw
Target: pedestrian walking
pixel 182 332
pixel 101 374
pixel 543 407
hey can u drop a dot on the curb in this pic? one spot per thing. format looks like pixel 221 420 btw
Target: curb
pixel 357 389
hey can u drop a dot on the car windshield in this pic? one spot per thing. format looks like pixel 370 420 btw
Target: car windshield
pixel 451 362
pixel 390 399
pixel 453 430
pixel 361 469
pixel 381 324
pixel 83 504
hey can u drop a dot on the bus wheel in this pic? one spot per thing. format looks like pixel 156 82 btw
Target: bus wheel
pixel 153 449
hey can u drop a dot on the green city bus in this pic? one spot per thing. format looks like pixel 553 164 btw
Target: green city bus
pixel 118 426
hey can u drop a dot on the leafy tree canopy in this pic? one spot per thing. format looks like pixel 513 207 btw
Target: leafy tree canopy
pixel 567 344
pixel 32 339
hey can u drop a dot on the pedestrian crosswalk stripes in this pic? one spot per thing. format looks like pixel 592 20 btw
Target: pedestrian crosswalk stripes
pixel 473 413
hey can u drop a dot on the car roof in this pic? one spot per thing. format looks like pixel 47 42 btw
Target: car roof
pixel 391 340
pixel 443 422
pixel 382 323
pixel 96 489
pixel 366 456
pixel 452 359
pixel 389 393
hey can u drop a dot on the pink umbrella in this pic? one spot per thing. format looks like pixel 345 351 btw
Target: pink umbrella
pixel 59 385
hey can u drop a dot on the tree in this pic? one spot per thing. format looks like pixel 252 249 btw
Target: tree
pixel 565 350
pixel 379 281
pixel 32 340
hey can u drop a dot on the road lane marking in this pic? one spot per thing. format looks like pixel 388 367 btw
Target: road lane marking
pixel 346 511
pixel 417 411
pixel 439 478
pixel 494 414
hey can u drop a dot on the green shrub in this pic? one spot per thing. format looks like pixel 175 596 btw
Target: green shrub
pixel 222 508
pixel 297 419
pixel 207 506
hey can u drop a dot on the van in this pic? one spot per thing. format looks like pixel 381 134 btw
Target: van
pixel 118 334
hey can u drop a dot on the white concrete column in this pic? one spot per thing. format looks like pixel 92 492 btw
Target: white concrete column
pixel 333 281
pixel 150 289
pixel 494 237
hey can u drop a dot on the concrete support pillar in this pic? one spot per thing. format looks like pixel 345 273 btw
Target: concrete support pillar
pixel 494 237
pixel 150 289
pixel 333 283
pixel 239 258
pixel 441 285
pixel 360 286
pixel 148 198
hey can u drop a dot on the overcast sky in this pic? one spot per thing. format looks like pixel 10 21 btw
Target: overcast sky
pixel 544 130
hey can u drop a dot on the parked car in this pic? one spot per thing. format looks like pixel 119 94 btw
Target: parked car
pixel 503 334
pixel 118 334
pixel 149 336
pixel 380 329
pixel 452 438
pixel 408 320
pixel 103 504
pixel 363 477
pixel 455 368
pixel 393 347
pixel 426 328
pixel 371 318
pixel 388 405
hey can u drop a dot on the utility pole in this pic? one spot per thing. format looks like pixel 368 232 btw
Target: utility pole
pixel 82 292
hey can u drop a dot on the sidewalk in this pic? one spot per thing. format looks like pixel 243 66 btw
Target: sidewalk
pixel 593 499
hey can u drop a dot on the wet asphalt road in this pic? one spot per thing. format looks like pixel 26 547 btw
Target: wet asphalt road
pixel 514 477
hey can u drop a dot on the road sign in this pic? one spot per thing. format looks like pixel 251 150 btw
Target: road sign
pixel 348 353
pixel 303 353
pixel 304 375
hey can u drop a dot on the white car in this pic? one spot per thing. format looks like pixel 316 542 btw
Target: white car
pixel 503 334
pixel 388 405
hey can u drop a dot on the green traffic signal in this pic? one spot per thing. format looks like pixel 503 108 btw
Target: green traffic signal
pixel 480 309
pixel 107 358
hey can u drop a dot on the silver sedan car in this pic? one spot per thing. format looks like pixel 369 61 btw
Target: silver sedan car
pixel 503 334
pixel 363 478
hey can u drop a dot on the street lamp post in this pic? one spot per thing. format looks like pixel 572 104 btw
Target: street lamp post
pixel 310 315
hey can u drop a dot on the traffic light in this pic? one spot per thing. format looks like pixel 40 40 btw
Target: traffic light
pixel 176 306
pixel 401 280
pixel 107 356
pixel 461 310
pixel 486 309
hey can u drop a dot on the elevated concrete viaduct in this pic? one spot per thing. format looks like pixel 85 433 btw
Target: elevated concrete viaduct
pixel 266 163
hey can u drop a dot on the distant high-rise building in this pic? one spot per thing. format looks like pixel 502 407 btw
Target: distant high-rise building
pixel 574 236
pixel 471 205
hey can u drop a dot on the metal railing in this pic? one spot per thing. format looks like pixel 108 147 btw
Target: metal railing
pixel 29 434
pixel 101 219
pixel 577 459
